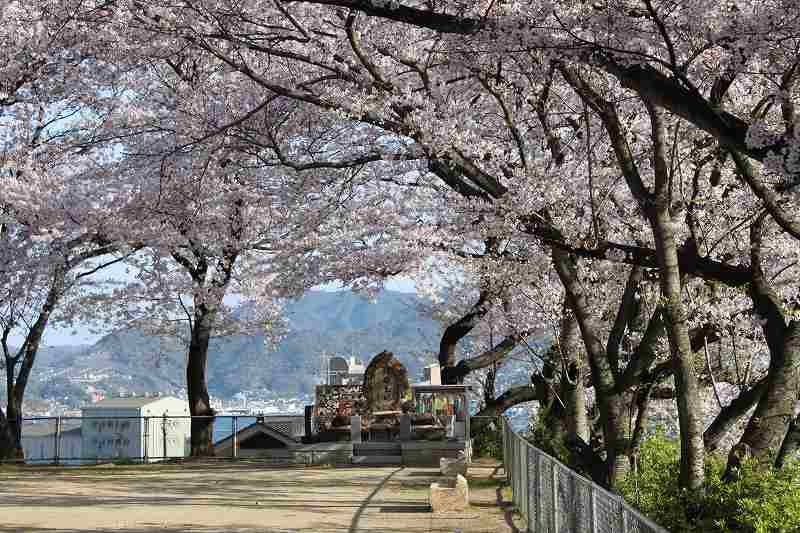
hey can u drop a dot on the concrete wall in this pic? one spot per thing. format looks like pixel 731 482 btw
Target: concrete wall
pixel 428 453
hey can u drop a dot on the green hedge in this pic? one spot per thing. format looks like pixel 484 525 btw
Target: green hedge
pixel 763 500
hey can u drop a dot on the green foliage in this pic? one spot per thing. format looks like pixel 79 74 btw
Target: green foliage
pixel 546 436
pixel 764 500
pixel 488 442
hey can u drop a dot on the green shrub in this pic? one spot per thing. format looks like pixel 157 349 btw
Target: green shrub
pixel 764 500
pixel 546 437
pixel 488 442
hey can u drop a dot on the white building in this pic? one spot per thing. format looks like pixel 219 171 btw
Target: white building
pixel 39 441
pixel 137 428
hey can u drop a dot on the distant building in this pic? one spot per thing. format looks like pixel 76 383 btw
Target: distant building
pixel 267 438
pixel 96 396
pixel 343 371
pixel 39 441
pixel 432 375
pixel 137 428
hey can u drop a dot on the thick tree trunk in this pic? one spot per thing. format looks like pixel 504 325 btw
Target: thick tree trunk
pixel 14 428
pixel 202 428
pixel 731 414
pixel 767 427
pixel 17 381
pixel 656 208
pixel 550 431
pixel 790 445
pixel 7 448
pixel 609 401
pixel 573 377
pixel 511 397
pixel 688 398
pixel 452 336
pixel 8 438
pixel 456 374
pixel 488 385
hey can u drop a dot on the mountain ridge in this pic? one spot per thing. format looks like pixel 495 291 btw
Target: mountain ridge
pixel 337 323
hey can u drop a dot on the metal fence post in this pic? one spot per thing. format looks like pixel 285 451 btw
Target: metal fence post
pixel 521 476
pixel 539 511
pixel 57 443
pixel 235 436
pixel 526 504
pixel 555 498
pixel 506 458
pixel 146 438
pixel 505 447
pixel 593 508
pixel 622 517
pixel 533 490
pixel 164 451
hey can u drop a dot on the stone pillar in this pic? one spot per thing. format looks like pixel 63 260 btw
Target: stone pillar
pixel 355 428
pixel 309 412
pixel 405 426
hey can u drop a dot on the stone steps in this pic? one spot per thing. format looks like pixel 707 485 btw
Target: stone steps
pixel 377 460
pixel 377 448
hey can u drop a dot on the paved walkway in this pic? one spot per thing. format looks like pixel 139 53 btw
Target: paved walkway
pixel 238 498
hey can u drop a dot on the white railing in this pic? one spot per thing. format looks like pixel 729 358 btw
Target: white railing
pixel 552 498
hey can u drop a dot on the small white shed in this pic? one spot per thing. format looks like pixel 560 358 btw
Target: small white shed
pixel 137 428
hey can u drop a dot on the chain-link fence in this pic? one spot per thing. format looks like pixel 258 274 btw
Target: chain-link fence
pixel 555 499
pixel 81 440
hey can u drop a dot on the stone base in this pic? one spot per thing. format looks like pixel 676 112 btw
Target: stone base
pixel 424 453
pixel 450 498
pixel 452 467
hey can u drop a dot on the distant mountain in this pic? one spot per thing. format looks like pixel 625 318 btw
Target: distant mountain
pixel 340 323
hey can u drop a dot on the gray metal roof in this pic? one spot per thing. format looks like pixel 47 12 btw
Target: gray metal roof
pixel 122 403
pixel 48 427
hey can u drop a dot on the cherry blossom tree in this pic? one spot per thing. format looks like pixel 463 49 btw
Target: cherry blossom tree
pixel 61 204
pixel 522 144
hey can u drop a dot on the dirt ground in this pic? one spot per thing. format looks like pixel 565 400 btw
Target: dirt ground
pixel 243 498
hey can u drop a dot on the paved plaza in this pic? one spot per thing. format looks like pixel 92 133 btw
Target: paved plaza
pixel 241 498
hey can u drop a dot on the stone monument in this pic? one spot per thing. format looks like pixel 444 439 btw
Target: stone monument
pixel 385 383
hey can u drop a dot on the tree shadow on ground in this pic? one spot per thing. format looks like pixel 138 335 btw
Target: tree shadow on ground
pixel 365 497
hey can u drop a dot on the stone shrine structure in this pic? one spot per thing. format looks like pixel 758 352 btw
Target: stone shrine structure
pixel 385 384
